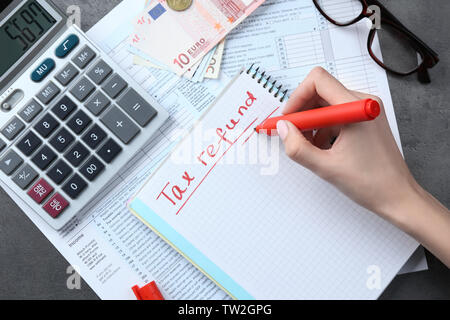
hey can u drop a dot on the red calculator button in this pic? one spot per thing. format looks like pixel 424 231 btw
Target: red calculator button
pixel 56 205
pixel 40 191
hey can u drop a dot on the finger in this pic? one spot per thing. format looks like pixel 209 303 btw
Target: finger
pixel 324 137
pixel 318 89
pixel 309 136
pixel 299 149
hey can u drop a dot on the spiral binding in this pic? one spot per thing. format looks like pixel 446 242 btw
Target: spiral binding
pixel 266 80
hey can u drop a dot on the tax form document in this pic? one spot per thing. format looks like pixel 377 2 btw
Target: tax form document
pixel 110 248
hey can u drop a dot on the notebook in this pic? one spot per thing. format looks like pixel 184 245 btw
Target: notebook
pixel 255 222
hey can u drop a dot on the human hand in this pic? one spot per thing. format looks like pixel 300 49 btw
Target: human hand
pixel 364 162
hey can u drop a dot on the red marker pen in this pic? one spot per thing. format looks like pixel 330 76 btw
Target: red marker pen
pixel 148 292
pixel 352 112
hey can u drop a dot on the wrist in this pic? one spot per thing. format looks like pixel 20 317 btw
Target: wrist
pixel 407 211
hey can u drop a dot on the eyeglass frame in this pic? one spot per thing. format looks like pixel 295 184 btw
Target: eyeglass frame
pixel 429 57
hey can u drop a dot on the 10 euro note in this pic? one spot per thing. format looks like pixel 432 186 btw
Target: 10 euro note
pixel 179 39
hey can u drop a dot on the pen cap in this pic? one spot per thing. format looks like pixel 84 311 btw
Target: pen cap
pixel 148 292
pixel 372 108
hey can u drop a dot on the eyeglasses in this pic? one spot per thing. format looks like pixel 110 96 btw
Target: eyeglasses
pixel 405 53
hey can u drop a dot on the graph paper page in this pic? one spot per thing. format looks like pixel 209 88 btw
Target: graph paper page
pixel 260 233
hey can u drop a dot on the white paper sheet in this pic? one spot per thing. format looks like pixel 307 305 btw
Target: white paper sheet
pixel 111 249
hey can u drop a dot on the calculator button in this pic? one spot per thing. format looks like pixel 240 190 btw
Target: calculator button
pixel 83 57
pixel 13 128
pixel 29 143
pixel 41 190
pixel 114 86
pixel 56 205
pixel 67 46
pixel 136 107
pixel 64 108
pixel 92 168
pixel 59 172
pixel 43 70
pixel 25 176
pixel 94 136
pixel 77 154
pixel 47 125
pixel 62 140
pixel 10 162
pixel 79 122
pixel 30 111
pixel 75 186
pixel 44 157
pixel 97 103
pixel 99 72
pixel 67 74
pixel 116 121
pixel 82 89
pixel 109 151
pixel 48 93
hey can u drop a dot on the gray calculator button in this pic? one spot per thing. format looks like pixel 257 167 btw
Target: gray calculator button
pixel 136 107
pixel 25 176
pixel 118 122
pixel 114 86
pixel 67 74
pixel 82 89
pixel 83 57
pixel 30 111
pixel 97 103
pixel 10 162
pixel 99 72
pixel 48 93
pixel 13 128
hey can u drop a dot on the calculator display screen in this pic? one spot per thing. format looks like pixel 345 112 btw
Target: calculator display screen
pixel 21 31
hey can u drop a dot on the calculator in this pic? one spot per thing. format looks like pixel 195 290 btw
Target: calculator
pixel 70 117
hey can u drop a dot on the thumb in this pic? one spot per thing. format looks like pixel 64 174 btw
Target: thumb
pixel 300 149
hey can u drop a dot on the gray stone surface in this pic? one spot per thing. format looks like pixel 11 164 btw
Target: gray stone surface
pixel 31 268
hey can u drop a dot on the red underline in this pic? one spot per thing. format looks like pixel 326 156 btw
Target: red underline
pixel 246 129
pixel 270 115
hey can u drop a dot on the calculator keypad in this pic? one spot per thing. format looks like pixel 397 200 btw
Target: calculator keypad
pixel 64 138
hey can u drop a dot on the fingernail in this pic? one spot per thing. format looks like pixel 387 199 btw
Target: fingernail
pixel 282 129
